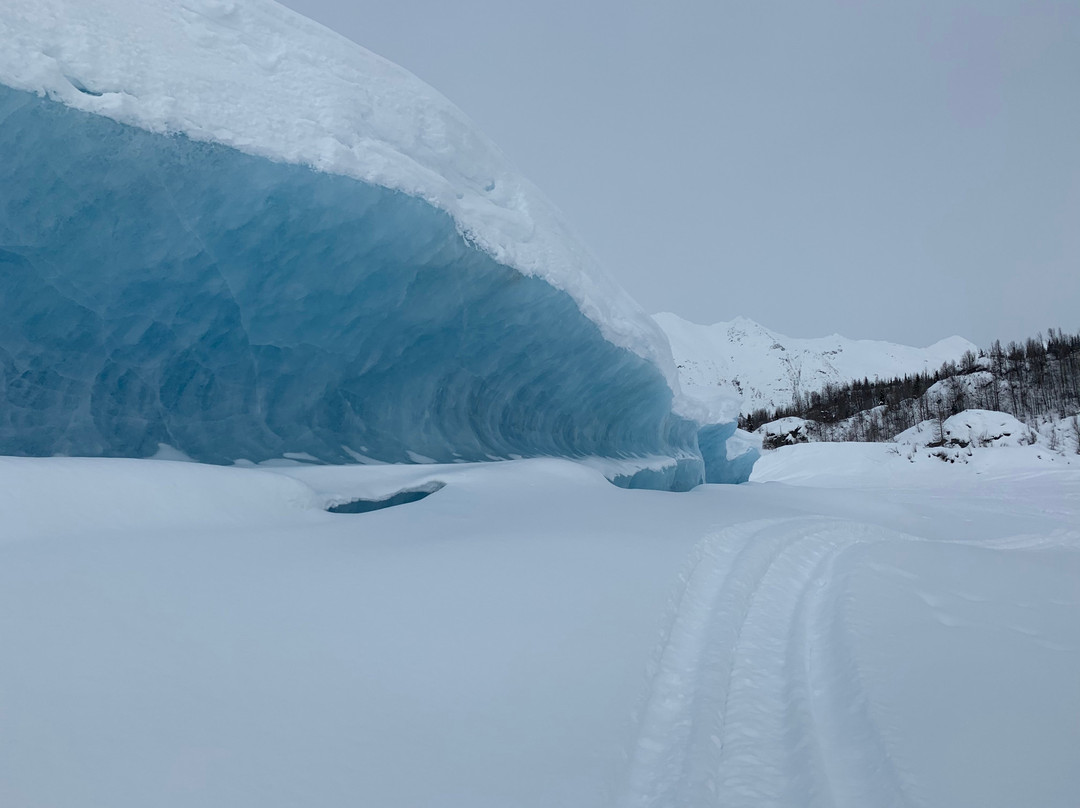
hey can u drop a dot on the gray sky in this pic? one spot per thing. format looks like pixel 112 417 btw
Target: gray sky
pixel 902 170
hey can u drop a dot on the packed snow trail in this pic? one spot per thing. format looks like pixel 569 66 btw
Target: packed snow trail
pixel 756 698
pixel 759 694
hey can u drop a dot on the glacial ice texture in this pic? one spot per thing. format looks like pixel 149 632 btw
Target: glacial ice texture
pixel 157 289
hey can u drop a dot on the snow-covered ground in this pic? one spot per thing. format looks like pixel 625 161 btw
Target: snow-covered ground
pixel 852 630
pixel 956 438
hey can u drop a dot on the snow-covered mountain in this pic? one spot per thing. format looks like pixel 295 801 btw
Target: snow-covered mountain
pixel 767 369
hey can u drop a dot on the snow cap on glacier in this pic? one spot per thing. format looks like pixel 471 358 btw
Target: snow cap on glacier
pixel 255 76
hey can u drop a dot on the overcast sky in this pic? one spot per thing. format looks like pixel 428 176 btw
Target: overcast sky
pixel 902 171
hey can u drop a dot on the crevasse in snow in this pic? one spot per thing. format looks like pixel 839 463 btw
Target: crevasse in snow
pixel 179 283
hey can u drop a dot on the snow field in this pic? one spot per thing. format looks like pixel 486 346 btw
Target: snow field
pixel 531 635
pixel 756 699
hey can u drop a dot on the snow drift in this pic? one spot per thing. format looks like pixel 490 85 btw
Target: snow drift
pixel 226 229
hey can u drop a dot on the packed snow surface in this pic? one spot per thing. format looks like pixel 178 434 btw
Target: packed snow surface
pixel 260 78
pixel 855 630
pixel 767 369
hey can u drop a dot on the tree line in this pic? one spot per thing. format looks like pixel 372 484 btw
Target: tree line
pixel 1036 380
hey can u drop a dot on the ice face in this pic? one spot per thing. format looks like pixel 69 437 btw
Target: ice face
pixel 156 289
pixel 253 75
pixel 727 459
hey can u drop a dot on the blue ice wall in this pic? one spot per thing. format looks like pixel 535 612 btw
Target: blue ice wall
pixel 712 442
pixel 156 289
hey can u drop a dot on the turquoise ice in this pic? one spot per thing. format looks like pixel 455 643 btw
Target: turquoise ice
pixel 155 289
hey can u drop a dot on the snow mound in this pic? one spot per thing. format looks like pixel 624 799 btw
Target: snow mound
pixel 980 428
pixel 784 432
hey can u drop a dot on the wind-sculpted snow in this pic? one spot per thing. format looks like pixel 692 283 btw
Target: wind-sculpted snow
pixel 159 290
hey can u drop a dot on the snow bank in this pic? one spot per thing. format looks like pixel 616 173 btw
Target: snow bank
pixel 791 429
pixel 981 428
pixel 42 498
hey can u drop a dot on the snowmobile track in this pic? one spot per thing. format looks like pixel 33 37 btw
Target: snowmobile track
pixel 740 710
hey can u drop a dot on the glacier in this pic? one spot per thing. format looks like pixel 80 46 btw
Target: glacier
pixel 170 274
pixel 159 290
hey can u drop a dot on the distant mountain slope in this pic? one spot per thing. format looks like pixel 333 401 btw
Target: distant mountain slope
pixel 768 368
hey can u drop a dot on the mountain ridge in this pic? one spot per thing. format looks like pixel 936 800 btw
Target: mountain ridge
pixel 767 369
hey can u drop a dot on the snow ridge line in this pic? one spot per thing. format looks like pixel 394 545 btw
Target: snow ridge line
pixel 1058 539
pixel 729 718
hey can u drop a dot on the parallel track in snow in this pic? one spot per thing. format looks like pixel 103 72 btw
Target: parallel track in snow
pixel 743 708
